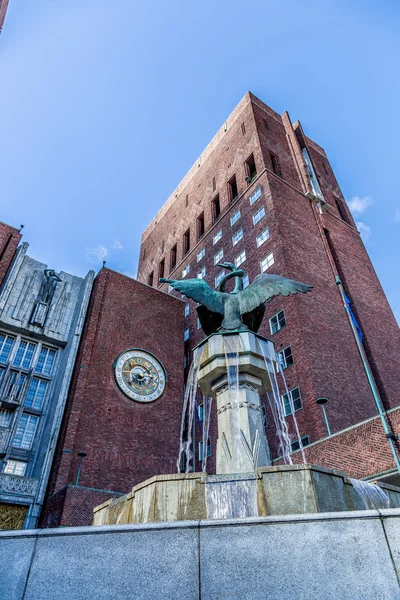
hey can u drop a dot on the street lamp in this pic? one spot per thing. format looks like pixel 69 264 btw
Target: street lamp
pixel 322 402
pixel 81 457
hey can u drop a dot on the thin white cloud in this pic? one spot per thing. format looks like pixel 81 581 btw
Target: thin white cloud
pixel 96 255
pixel 397 215
pixel 365 230
pixel 117 245
pixel 357 205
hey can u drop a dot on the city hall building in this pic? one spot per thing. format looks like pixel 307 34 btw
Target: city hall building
pixel 93 372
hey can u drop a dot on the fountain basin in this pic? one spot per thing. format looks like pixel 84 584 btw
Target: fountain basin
pixel 278 490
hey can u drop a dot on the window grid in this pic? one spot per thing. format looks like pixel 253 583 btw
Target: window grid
pixel 6 345
pixel 15 467
pixel 239 260
pixel 186 270
pixel 5 417
pixel 201 448
pixel 26 430
pixel 285 357
pixel 246 281
pixel 218 257
pixel 187 309
pixel 295 445
pixel 293 395
pixel 267 262
pixel 237 237
pixel 277 322
pixel 24 355
pixel 36 393
pixel 255 196
pixel 258 215
pixel 217 237
pixel 201 254
pixel 202 273
pixel 235 217
pixel 45 361
pixel 186 334
pixel 262 237
pixel 14 383
pixel 219 278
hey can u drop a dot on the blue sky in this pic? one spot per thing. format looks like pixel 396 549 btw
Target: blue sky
pixel 106 105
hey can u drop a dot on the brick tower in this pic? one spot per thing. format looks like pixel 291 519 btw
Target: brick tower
pixel 263 194
pixel 3 10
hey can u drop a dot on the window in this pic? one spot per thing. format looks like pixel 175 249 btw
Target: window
pixel 255 196
pixel 24 355
pixel 312 177
pixel 277 322
pixel 161 269
pixel 243 128
pixel 36 393
pixel 285 357
pixel 262 237
pixel 172 257
pixel 187 200
pixel 185 271
pixel 15 467
pixel 276 168
pixel 218 257
pixel 200 412
pixel 219 278
pixel 170 288
pixel 201 254
pixel 25 431
pixel 198 323
pixel 250 168
pixel 186 360
pixel 292 397
pixel 267 262
pixel 341 209
pixel 235 217
pixel 45 361
pixel 245 281
pixel 237 237
pixel 217 237
pixel 201 448
pixel 202 273
pixel 14 384
pixel 214 184
pixel 215 208
pixel 186 334
pixel 144 254
pixel 150 279
pixel 232 189
pixel 6 344
pixel 266 124
pixel 305 441
pixel 200 227
pixel 187 309
pixel 5 417
pixel 258 215
pixel 186 242
pixel 239 260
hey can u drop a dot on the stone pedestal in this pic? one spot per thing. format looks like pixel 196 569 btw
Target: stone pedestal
pixel 233 371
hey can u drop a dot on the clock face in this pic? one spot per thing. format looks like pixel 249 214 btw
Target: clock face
pixel 140 375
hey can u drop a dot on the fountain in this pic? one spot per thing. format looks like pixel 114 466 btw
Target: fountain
pixel 233 367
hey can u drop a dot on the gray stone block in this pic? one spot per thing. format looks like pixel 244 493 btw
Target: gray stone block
pixel 15 558
pixel 143 562
pixel 294 558
pixel 391 524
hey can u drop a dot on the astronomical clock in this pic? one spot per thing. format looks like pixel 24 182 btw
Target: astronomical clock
pixel 140 375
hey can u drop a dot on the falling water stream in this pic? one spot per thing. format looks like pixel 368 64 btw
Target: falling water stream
pixel 371 494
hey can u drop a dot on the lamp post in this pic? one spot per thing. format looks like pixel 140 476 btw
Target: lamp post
pixel 322 402
pixel 81 457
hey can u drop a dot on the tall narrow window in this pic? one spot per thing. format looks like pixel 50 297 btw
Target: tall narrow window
pixel 276 167
pixel 45 361
pixel 6 344
pixel 161 269
pixel 277 322
pixel 285 357
pixel 262 237
pixel 341 209
pixel 250 167
pixel 36 393
pixel 187 200
pixel 266 125
pixel 173 257
pixel 235 217
pixel 24 355
pixel 232 189
pixel 237 237
pixel 200 226
pixel 258 215
pixel 186 242
pixel 243 129
pixel 267 262
pixel 218 257
pixel 214 184
pixel 292 401
pixel 25 431
pixel 255 195
pixel 217 237
pixel 201 254
pixel 150 279
pixel 239 260
pixel 215 208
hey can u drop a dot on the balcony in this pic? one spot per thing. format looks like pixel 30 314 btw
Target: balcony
pixel 18 486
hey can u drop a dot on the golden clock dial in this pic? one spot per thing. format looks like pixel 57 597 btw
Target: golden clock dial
pixel 140 375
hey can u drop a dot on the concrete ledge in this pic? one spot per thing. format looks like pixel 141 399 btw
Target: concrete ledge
pixel 347 555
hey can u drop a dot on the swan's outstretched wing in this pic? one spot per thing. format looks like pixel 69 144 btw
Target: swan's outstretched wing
pixel 265 287
pixel 200 291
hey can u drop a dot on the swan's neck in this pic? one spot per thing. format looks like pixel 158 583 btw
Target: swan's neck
pixel 238 283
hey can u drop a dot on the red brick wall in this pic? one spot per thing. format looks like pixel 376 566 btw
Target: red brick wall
pixel 3 10
pixel 126 441
pixel 9 240
pixel 326 359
